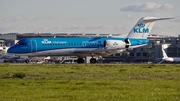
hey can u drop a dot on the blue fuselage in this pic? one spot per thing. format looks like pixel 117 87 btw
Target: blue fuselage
pixel 31 45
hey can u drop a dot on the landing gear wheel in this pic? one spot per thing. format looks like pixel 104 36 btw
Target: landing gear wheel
pixel 93 60
pixel 80 60
pixel 27 61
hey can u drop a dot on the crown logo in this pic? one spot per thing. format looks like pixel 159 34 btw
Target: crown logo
pixel 141 25
pixel 46 41
pixel 115 43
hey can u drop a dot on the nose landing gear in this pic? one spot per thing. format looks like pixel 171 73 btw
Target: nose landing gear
pixel 27 61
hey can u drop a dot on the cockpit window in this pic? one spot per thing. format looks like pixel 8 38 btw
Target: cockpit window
pixel 17 43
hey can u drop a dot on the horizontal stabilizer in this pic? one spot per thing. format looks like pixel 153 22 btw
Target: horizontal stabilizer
pixel 155 18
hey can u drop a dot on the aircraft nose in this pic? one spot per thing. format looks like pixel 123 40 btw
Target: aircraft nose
pixel 11 50
pixel 18 49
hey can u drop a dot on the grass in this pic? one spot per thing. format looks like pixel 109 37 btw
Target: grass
pixel 86 82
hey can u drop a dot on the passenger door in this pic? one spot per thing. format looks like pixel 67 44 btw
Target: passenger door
pixel 33 46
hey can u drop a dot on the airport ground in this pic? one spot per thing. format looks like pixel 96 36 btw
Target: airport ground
pixel 87 82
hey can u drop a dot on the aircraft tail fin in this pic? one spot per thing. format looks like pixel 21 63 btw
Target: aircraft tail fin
pixel 164 54
pixel 143 27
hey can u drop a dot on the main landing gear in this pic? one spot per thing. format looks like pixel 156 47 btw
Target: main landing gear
pixel 81 60
pixel 93 60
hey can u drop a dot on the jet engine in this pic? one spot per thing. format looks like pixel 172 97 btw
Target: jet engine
pixel 114 44
pixel 127 43
pixel 119 44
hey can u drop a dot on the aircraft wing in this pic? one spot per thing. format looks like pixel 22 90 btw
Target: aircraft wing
pixel 95 52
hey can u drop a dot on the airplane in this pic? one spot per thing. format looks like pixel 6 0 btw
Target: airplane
pixel 169 59
pixel 5 57
pixel 86 46
pixel 11 58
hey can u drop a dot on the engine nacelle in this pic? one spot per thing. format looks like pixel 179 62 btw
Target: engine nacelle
pixel 114 44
